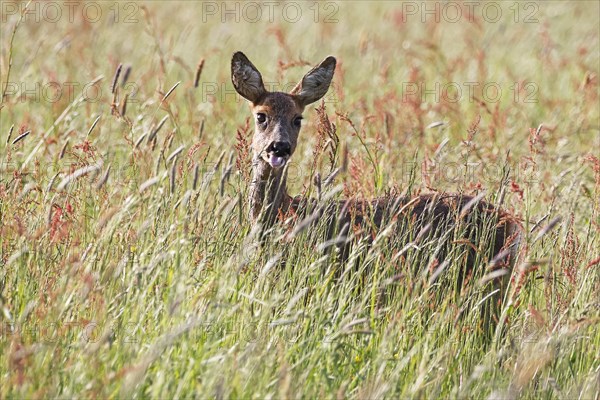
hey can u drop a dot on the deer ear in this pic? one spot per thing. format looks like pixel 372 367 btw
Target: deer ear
pixel 246 78
pixel 316 82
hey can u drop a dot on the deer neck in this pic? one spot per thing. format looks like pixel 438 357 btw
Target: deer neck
pixel 268 192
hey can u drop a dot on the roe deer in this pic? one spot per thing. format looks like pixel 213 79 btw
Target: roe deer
pixel 278 119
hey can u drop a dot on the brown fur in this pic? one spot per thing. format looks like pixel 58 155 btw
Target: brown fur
pixel 437 213
pixel 282 108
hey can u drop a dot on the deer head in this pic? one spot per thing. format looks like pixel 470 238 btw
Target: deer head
pixel 277 115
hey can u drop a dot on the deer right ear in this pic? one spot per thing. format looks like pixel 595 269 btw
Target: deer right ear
pixel 246 78
pixel 315 83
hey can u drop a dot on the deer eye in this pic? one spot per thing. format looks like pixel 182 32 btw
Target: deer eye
pixel 298 122
pixel 261 118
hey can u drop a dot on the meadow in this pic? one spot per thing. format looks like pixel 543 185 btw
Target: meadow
pixel 128 268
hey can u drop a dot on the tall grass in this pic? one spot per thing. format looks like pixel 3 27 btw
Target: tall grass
pixel 128 267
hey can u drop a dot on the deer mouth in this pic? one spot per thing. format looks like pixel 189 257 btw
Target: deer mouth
pixel 277 153
pixel 276 161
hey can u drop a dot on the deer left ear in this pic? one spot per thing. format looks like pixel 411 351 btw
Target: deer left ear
pixel 246 78
pixel 315 83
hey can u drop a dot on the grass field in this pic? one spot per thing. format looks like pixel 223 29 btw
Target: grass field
pixel 127 264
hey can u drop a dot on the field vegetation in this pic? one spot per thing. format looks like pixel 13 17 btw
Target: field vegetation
pixel 128 267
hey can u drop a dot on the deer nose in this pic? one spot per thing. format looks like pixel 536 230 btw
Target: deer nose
pixel 280 149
